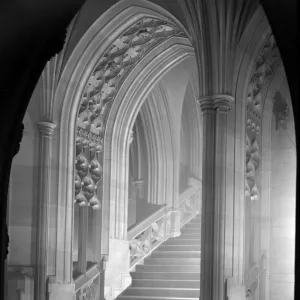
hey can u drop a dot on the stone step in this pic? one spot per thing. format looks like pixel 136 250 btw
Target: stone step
pixel 190 230
pixel 189 236
pixel 166 275
pixel 175 254
pixel 192 225
pixel 161 292
pixel 194 221
pixel 186 242
pixel 166 261
pixel 185 284
pixel 171 269
pixel 153 298
pixel 181 247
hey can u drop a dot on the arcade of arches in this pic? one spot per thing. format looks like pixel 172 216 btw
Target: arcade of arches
pixel 135 129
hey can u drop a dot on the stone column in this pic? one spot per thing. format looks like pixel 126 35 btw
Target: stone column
pixel 213 195
pixel 222 104
pixel 207 220
pixel 44 162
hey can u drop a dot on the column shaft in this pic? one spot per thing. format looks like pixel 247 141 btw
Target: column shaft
pixel 207 220
pixel 220 200
pixel 213 196
pixel 44 179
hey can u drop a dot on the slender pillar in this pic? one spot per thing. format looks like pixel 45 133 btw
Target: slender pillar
pixel 222 105
pixel 213 195
pixel 207 220
pixel 45 145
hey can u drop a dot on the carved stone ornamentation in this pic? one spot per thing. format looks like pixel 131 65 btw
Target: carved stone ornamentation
pixel 252 163
pixel 98 95
pixel 280 111
pixel 90 290
pixel 188 208
pixel 151 237
pixel 267 62
pixel 248 294
pixel 88 173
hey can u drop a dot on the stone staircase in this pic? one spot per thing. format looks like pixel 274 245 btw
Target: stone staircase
pixel 172 271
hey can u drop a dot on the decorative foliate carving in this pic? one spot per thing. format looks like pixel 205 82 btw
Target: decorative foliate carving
pixel 248 294
pixel 106 78
pixel 88 173
pixel 90 290
pixel 280 111
pixel 113 67
pixel 188 207
pixel 266 64
pixel 152 236
pixel 252 163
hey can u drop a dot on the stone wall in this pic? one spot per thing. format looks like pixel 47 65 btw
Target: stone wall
pixel 282 202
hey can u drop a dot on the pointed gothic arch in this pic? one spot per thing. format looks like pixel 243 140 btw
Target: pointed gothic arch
pixel 167 52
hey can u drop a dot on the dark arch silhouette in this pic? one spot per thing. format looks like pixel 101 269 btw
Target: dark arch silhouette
pixel 32 31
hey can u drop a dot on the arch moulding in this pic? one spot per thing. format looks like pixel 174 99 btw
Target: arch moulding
pixel 135 87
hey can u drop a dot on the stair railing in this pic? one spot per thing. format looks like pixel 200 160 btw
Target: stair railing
pixel 148 234
pixel 253 275
pixel 188 204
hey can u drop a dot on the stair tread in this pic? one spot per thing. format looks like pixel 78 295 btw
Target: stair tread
pixel 155 297
pixel 170 272
pixel 161 274
pixel 170 279
pixel 159 288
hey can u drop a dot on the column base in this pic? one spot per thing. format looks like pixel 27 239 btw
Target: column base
pixel 175 223
pixel 117 276
pixel 234 291
pixel 58 291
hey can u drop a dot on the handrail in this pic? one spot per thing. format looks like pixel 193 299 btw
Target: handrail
pixel 188 204
pixel 148 234
pixel 253 274
pixel 190 191
pixel 140 226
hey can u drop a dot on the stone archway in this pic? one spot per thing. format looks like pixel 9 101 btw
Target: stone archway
pixel 77 78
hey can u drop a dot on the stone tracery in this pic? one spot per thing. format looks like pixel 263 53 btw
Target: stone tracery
pixel 265 66
pixel 106 78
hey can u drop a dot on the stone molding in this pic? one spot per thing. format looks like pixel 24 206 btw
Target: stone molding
pixel 46 129
pixel 206 104
pixel 138 184
pixel 107 28
pixel 223 103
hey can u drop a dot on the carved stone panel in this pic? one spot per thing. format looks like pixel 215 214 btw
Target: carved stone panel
pixel 280 111
pixel 90 290
pixel 98 95
pixel 267 62
pixel 265 66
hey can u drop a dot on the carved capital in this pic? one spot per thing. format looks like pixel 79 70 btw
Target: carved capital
pixel 206 104
pixel 46 128
pixel 138 183
pixel 223 103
